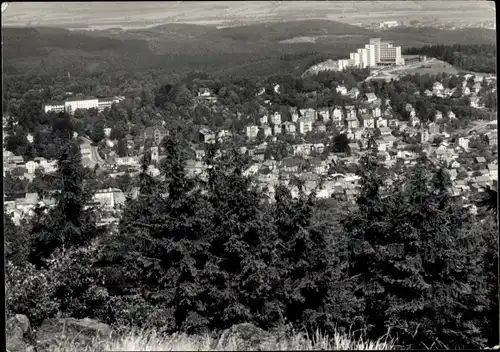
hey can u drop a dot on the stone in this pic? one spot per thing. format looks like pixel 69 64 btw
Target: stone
pixel 247 337
pixel 82 332
pixel 19 334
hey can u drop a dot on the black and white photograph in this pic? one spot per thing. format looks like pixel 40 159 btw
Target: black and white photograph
pixel 250 175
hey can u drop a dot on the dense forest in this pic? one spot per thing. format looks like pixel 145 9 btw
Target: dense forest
pixel 198 255
pixel 475 58
pixel 249 51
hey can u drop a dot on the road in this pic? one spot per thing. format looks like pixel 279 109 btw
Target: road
pixel 95 158
pixel 481 125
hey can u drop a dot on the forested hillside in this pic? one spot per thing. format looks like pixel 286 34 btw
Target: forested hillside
pixel 181 48
pixel 475 58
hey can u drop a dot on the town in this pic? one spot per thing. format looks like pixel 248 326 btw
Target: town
pixel 250 176
pixel 325 162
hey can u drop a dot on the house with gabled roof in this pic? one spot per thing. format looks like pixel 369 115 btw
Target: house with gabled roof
pixel 371 98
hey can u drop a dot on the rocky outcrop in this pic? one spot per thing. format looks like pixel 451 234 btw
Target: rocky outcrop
pixel 19 334
pixel 53 332
pixel 247 337
pixel 78 331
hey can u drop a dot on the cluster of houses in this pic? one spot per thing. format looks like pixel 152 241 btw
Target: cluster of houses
pixel 17 166
pixel 109 201
pixel 368 126
pixel 475 101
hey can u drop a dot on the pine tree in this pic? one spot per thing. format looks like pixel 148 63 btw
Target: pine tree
pixel 70 223
pixel 240 277
pixel 416 260
pixel 159 252
pixel 315 288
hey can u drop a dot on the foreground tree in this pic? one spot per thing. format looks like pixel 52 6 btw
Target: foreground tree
pixel 70 222
pixel 420 266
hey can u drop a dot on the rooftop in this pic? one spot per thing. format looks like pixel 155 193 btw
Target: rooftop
pixel 80 98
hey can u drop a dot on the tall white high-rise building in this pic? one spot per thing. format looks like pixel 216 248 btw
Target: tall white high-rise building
pixel 355 58
pixel 370 55
pixel 363 57
pixel 376 43
pixel 390 53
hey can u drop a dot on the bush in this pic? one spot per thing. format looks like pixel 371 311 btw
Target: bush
pixel 31 292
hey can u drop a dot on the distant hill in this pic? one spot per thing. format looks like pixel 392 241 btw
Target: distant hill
pixel 277 31
pixel 181 48
pixel 428 35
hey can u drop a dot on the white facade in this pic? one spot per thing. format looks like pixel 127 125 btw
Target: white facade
pixel 363 57
pixel 305 125
pixel 57 107
pixel 72 105
pixel 355 58
pixel 48 165
pixel 463 142
pixel 252 131
pixel 31 166
pixel 370 55
pixel 341 90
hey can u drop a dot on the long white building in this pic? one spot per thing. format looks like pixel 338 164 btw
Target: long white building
pixel 70 105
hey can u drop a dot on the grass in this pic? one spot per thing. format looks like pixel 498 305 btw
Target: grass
pixel 150 340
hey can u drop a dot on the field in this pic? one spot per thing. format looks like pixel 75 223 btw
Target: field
pixel 147 14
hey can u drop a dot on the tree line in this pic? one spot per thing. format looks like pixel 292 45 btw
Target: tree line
pixel 475 58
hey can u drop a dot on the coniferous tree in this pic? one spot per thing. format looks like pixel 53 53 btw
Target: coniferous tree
pixel 70 223
pixel 240 253
pixel 416 260
pixel 159 250
pixel 315 288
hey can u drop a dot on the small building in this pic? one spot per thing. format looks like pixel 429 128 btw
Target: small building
pixel 204 92
pixel 276 118
pixel 463 142
pixel 337 114
pixel 368 121
pixel 324 112
pixel 492 137
pixel 252 131
pixel 371 98
pixel 305 125
pixel 342 90
pixel 289 127
pixel 438 116
pixel 437 86
pixel 309 114
pixel 381 122
pixel 433 128
pixel 385 131
pixel 276 129
pixel 206 136
pixel 352 122
pixel 267 130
